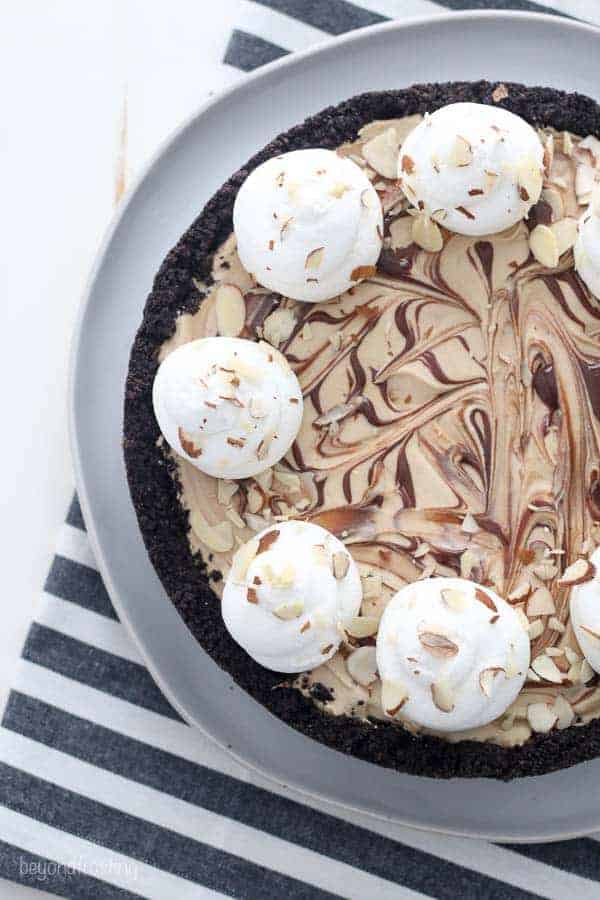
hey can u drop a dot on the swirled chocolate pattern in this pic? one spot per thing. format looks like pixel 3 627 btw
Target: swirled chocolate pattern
pixel 463 383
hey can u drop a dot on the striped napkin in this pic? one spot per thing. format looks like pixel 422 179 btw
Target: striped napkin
pixel 106 793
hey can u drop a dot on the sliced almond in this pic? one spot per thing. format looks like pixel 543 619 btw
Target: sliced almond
pixel 572 656
pixel 293 609
pixel 362 626
pixel 362 665
pixel 564 711
pixel 544 246
pixel 218 538
pixel 529 180
pixel 230 309
pixel 565 232
pixel 546 668
pixel 438 644
pixel 545 570
pixel 340 564
pixel 393 697
pixel 314 258
pixel 567 144
pixel 381 152
pixel 235 518
pixel 427 234
pixel 372 585
pixel 189 447
pixel 461 152
pixel 541 717
pixel 499 93
pixel 554 200
pixel 536 628
pixel 225 490
pixel 483 597
pixel 243 558
pixel 521 589
pixel 555 624
pixel 469 524
pixel 454 599
pixel 468 562
pixel 587 673
pixel 584 183
pixel 580 571
pixel 442 696
pixel 486 679
pixel 541 603
pixel 278 326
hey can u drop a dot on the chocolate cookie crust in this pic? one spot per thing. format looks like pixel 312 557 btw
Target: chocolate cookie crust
pixel 154 490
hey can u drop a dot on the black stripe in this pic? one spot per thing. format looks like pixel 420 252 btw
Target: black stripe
pixel 78 583
pixel 333 17
pixel 48 875
pixel 249 804
pixel 75 516
pixel 159 847
pixel 518 5
pixel 580 856
pixel 109 673
pixel 247 51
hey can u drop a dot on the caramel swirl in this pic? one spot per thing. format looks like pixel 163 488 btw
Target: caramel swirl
pixel 460 382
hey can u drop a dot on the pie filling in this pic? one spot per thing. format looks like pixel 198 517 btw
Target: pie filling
pixel 451 427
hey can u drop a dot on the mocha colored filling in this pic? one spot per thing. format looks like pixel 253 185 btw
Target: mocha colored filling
pixel 460 382
pixel 450 383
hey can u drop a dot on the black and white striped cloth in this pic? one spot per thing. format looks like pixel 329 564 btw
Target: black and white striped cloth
pixel 106 793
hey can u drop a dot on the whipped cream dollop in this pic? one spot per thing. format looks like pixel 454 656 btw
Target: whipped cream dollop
pixel 231 407
pixel 308 224
pixel 473 168
pixel 585 609
pixel 451 654
pixel 288 595
pixel 587 246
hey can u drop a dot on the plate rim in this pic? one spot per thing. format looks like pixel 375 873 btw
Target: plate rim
pixel 246 83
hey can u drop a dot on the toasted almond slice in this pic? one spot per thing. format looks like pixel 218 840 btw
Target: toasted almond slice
pixel 438 644
pixel 529 180
pixel 469 524
pixel 381 152
pixel 587 672
pixel 564 711
pixel 521 589
pixel 362 665
pixel 314 258
pixel 555 624
pixel 225 490
pixel 572 656
pixel 362 626
pixel 454 599
pixel 584 183
pixel 499 93
pixel 522 617
pixel 468 561
pixel 580 571
pixel 541 603
pixel 483 597
pixel 442 696
pixel 461 152
pixel 422 550
pixel 536 628
pixel 567 144
pixel 218 538
pixel 486 679
pixel 393 697
pixel 230 309
pixel 555 201
pixel 565 232
pixel 293 609
pixel 546 668
pixel 541 717
pixel 235 518
pixel 544 246
pixel 545 570
pixel 401 232
pixel 427 234
pixel 340 563
pixel 372 585
pixel 243 558
pixel 289 480
pixel 278 326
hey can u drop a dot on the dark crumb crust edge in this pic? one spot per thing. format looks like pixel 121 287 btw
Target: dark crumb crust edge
pixel 154 491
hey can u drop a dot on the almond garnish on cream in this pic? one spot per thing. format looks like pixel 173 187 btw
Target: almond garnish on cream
pixel 461 668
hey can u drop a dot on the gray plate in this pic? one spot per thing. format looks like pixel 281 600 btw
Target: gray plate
pixel 182 177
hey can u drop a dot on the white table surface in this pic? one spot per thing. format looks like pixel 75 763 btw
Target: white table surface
pixel 89 89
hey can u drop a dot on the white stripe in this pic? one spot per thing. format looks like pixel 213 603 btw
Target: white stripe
pixel 194 822
pixel 74 544
pixel 587 10
pixel 278 28
pixel 191 744
pixel 402 9
pixel 87 626
pixel 94 860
